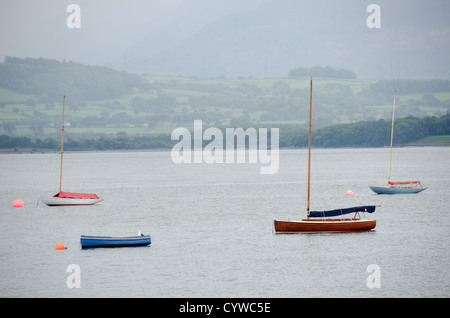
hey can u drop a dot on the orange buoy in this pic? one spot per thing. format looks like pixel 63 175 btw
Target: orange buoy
pixel 17 204
pixel 349 192
pixel 60 246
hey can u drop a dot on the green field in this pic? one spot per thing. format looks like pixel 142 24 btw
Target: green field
pixel 177 101
pixel 434 140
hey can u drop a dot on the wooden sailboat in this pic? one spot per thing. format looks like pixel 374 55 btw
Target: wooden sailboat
pixel 397 187
pixel 69 198
pixel 320 221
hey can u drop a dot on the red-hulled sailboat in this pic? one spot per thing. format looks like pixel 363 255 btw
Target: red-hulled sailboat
pixel 320 221
pixel 69 198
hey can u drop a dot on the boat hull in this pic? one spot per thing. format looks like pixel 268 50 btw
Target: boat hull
pixel 395 190
pixel 323 225
pixel 109 241
pixel 55 201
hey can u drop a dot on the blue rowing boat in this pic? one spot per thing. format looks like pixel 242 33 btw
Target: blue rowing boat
pixel 110 241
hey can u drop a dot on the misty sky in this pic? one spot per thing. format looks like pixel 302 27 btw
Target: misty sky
pixel 234 38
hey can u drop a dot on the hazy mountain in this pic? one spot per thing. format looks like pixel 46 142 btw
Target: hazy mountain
pixel 260 38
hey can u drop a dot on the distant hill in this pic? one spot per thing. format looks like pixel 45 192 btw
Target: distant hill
pixel 272 37
pixel 321 72
pixel 103 102
pixel 49 80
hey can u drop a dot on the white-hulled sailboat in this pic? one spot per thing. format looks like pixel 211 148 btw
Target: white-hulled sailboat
pixel 69 198
pixel 397 187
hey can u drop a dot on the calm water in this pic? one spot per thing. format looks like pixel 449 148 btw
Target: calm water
pixel 212 226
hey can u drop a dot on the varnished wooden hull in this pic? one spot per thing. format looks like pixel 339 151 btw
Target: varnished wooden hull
pixel 323 225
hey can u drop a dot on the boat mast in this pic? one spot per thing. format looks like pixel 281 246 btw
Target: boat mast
pixel 62 144
pixel 392 137
pixel 309 146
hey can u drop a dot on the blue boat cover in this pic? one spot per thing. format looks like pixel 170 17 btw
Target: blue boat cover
pixel 321 214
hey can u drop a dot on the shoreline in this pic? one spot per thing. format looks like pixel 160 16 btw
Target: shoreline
pixel 45 151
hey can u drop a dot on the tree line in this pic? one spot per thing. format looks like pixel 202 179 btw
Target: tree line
pixel 360 134
pixel 88 144
pixel 369 133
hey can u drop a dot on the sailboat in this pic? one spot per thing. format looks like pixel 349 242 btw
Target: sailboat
pixel 69 198
pixel 320 221
pixel 396 187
